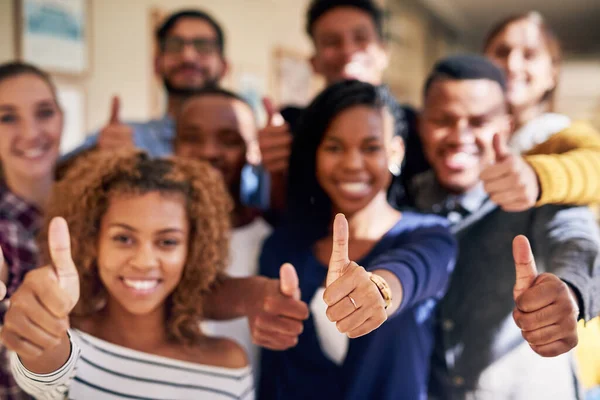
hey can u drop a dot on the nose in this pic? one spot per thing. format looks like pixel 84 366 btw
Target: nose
pixel 188 53
pixel 349 48
pixel 461 133
pixel 29 129
pixel 209 151
pixel 145 257
pixel 352 160
pixel 514 62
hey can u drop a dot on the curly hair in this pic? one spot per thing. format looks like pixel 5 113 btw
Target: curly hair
pixel 82 198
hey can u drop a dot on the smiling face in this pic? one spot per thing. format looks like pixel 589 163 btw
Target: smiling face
pixel 220 131
pixel 142 249
pixel 457 127
pixel 30 128
pixel 522 52
pixel 347 46
pixel 353 159
pixel 190 57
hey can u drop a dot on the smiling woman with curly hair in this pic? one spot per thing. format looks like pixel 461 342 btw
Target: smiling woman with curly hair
pixel 148 239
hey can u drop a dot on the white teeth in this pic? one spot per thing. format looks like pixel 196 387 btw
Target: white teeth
pixel 141 285
pixel 33 153
pixel 358 187
pixel 462 159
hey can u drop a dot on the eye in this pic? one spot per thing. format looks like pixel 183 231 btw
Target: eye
pixel 122 239
pixel 169 243
pixel 332 148
pixel 45 113
pixel 373 148
pixel 8 118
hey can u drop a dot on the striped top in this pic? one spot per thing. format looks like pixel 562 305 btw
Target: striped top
pixel 97 369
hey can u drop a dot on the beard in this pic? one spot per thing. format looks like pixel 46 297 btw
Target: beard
pixel 184 91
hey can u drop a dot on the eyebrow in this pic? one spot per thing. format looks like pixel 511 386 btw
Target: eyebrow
pixel 6 107
pixel 130 228
pixel 367 139
pixel 10 107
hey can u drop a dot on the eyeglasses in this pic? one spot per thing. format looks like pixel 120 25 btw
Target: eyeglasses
pixel 176 44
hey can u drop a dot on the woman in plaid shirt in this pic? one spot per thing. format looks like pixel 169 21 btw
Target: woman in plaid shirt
pixel 31 123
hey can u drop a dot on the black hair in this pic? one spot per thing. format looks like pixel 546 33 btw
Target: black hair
pixel 465 67
pixel 319 7
pixel 214 90
pixel 309 207
pixel 16 68
pixel 163 31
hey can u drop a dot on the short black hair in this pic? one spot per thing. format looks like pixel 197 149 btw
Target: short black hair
pixel 163 30
pixel 215 90
pixel 465 67
pixel 319 7
pixel 309 208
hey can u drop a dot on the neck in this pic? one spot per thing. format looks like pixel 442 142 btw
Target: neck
pixel 33 191
pixel 523 115
pixel 373 220
pixel 242 215
pixel 139 332
pixel 174 104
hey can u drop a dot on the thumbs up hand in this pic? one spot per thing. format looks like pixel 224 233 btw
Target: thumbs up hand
pixel 275 140
pixel 353 301
pixel 115 135
pixel 511 182
pixel 38 317
pixel 276 313
pixel 546 308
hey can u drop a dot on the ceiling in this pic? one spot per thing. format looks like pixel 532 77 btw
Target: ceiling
pixel 576 22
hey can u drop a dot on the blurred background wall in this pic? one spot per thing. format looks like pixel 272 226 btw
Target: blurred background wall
pixel 420 31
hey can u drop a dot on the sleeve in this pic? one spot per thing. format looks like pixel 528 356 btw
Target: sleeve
pixel 11 248
pixel 423 264
pixel 52 386
pixel 569 240
pixel 271 256
pixel 568 166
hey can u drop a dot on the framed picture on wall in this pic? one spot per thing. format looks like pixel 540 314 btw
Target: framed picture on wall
pixel 54 35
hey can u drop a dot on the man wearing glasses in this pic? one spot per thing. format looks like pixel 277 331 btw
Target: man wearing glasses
pixel 190 56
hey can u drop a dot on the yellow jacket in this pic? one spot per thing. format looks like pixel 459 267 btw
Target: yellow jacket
pixel 568 169
pixel 568 166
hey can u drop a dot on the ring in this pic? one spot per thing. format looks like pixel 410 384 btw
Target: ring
pixel 353 302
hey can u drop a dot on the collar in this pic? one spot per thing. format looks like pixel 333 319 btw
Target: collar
pixel 537 131
pixel 430 196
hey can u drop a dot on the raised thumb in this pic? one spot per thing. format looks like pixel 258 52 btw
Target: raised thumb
pixel 500 148
pixel 288 281
pixel 526 271
pixel 59 242
pixel 274 118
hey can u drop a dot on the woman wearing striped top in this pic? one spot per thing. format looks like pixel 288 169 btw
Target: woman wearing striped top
pixel 150 238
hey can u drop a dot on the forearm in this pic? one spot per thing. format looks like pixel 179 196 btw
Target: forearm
pixel 231 296
pixel 52 386
pixel 50 360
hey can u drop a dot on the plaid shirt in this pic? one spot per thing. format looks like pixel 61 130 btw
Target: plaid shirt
pixel 19 224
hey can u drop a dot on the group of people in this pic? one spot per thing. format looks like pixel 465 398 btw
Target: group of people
pixel 353 249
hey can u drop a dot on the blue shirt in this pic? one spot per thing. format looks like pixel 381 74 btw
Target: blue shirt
pixel 391 362
pixel 156 137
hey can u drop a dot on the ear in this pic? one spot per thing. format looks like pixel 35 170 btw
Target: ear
pixel 396 152
pixel 157 68
pixel 225 69
pixel 315 64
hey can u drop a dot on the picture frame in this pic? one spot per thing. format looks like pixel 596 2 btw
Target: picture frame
pixel 54 35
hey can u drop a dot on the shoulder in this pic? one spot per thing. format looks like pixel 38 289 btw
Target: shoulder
pixel 229 353
pixel 412 221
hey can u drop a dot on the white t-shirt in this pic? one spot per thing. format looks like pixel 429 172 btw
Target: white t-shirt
pixel 245 247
